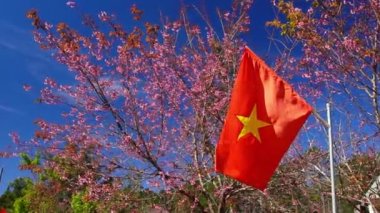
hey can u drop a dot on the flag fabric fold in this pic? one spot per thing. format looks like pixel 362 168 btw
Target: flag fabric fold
pixel 264 117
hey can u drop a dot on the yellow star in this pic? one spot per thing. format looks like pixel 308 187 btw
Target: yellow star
pixel 251 124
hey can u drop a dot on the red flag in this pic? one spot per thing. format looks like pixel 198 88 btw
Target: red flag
pixel 264 117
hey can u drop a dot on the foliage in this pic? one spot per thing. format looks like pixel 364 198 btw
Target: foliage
pixel 16 190
pixel 79 205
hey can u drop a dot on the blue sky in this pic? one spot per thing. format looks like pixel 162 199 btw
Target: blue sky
pixel 22 62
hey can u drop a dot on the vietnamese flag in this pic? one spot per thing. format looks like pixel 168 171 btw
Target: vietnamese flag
pixel 264 117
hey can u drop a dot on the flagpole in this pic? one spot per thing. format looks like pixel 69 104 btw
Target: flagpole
pixel 331 159
pixel 1 174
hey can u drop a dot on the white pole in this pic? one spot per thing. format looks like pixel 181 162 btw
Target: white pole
pixel 331 159
pixel 1 174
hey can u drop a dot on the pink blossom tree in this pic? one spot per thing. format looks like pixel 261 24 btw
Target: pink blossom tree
pixel 144 107
pixel 333 48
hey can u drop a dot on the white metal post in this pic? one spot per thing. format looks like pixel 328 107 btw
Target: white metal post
pixel 331 159
pixel 1 174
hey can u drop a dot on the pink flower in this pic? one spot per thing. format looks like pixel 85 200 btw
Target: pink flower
pixel 15 137
pixel 71 4
pixel 103 16
pixel 300 24
pixel 306 75
pixel 27 87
